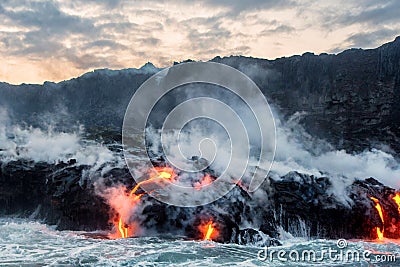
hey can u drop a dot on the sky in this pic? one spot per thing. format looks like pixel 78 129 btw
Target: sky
pixel 58 40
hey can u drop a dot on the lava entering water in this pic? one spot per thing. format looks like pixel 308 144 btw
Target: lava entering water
pixel 208 231
pixel 125 230
pixel 379 233
pixel 122 228
pixel 378 207
pixel 123 203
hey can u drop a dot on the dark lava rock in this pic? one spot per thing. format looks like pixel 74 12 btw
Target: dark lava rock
pixel 301 204
pixel 351 99
pixel 51 192
pixel 307 206
pixel 256 238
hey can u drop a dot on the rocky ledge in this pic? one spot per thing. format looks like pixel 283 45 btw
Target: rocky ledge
pixel 300 204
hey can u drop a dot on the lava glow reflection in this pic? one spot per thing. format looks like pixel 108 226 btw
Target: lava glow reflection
pixel 396 199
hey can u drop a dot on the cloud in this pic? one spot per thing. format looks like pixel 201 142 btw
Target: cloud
pixel 150 41
pixel 47 17
pixel 370 39
pixel 375 13
pixel 47 27
pixel 279 29
pixel 105 43
pixel 207 39
pixel 240 6
pixel 89 34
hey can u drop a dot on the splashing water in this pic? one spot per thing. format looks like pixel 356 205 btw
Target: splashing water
pixel 33 244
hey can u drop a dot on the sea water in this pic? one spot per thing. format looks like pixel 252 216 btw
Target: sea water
pixel 31 243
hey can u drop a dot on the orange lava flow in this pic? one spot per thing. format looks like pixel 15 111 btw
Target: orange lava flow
pixel 205 181
pixel 378 207
pixel 161 173
pixel 379 234
pixel 209 232
pixel 122 229
pixel 396 199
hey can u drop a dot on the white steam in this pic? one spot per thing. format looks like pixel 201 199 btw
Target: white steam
pixel 322 160
pixel 18 143
pixel 295 151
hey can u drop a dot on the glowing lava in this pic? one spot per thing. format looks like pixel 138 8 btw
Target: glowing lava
pixel 159 173
pixel 208 231
pixel 122 229
pixel 396 199
pixel 205 181
pixel 378 207
pixel 379 234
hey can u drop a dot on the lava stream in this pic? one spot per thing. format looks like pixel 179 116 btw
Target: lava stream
pixel 161 173
pixel 379 233
pixel 205 181
pixel 122 229
pixel 396 199
pixel 378 207
pixel 208 231
pixel 129 201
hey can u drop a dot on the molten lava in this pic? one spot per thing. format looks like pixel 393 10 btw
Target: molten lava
pixel 378 207
pixel 205 181
pixel 379 234
pixel 159 173
pixel 122 229
pixel 396 199
pixel 208 231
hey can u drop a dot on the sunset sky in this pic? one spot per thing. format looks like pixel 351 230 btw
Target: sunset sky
pixel 58 40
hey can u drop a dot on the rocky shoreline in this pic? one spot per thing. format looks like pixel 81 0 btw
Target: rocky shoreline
pixel 297 203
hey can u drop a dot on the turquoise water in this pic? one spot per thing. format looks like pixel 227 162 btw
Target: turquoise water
pixel 28 243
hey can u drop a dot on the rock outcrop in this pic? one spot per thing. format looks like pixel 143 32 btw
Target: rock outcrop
pixel 298 203
pixel 351 99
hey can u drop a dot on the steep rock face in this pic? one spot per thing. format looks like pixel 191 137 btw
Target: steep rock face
pixel 52 192
pixel 351 99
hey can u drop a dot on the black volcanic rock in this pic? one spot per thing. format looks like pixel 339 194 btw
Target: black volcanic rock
pixel 22 185
pixel 254 237
pixel 351 99
pixel 301 204
pixel 51 192
pixel 307 202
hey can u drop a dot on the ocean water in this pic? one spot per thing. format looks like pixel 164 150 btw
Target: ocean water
pixel 29 243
